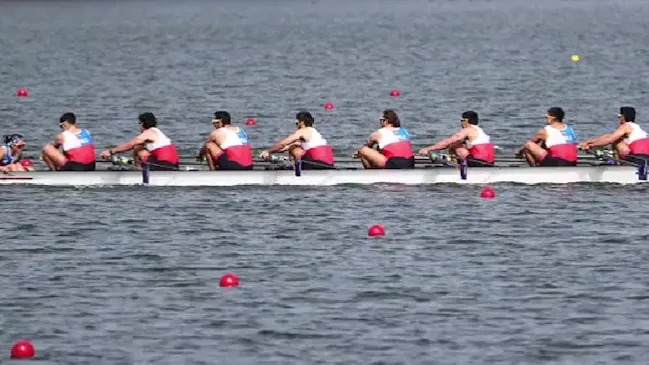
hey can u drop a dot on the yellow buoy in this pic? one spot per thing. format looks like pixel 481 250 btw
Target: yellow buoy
pixel 575 58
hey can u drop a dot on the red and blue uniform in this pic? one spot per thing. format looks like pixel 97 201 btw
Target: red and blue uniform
pixel 394 144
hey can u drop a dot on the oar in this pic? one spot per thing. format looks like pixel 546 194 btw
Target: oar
pixel 604 154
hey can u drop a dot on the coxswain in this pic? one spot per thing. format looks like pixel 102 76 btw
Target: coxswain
pixel 227 147
pixel 629 140
pixel 306 145
pixel 559 140
pixel 11 155
pixel 77 147
pixel 471 143
pixel 394 149
pixel 151 146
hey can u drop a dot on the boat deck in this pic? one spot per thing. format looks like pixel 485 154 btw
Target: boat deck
pixel 416 176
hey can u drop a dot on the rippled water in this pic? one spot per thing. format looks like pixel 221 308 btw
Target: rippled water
pixel 543 274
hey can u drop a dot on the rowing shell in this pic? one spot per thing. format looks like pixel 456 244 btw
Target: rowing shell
pixel 432 175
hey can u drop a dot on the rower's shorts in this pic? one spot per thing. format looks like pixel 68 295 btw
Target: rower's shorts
pixel 638 159
pixel 157 165
pixel 309 163
pixel 225 164
pixel 550 161
pixel 77 166
pixel 400 163
pixel 476 162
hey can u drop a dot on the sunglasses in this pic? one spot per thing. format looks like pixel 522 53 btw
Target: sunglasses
pixel 216 121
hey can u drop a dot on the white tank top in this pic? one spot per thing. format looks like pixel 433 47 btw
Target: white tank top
pixel 482 138
pixel 160 141
pixel 232 139
pixel 557 136
pixel 316 140
pixel 389 136
pixel 72 141
pixel 636 133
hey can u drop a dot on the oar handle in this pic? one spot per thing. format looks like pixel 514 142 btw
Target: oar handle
pixel 604 155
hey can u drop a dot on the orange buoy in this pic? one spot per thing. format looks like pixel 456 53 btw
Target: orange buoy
pixel 22 350
pixel 488 193
pixel 376 230
pixel 328 106
pixel 250 121
pixel 394 93
pixel 229 280
pixel 22 92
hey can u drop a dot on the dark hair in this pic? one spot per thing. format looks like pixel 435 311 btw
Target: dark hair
pixel 68 117
pixel 305 117
pixel 471 116
pixel 148 120
pixel 557 113
pixel 628 112
pixel 223 116
pixel 391 117
pixel 13 138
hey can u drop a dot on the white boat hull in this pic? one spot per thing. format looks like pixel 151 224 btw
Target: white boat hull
pixel 523 175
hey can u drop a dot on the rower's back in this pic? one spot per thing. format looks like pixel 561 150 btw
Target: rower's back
pixel 561 141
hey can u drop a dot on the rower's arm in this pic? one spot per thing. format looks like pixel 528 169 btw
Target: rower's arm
pixel 143 138
pixel 372 140
pixel 298 135
pixel 609 138
pixel 59 140
pixel 2 153
pixel 457 137
pixel 540 136
pixel 213 137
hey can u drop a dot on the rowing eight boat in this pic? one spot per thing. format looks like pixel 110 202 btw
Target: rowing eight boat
pixel 420 175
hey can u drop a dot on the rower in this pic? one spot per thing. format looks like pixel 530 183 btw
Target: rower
pixel 629 140
pixel 78 147
pixel 11 155
pixel 227 146
pixel 151 146
pixel 470 144
pixel 306 145
pixel 394 150
pixel 559 140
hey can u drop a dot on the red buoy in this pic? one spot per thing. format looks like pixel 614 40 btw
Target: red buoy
pixel 229 280
pixel 376 230
pixel 22 92
pixel 488 193
pixel 26 162
pixel 394 93
pixel 22 350
pixel 328 106
pixel 250 121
